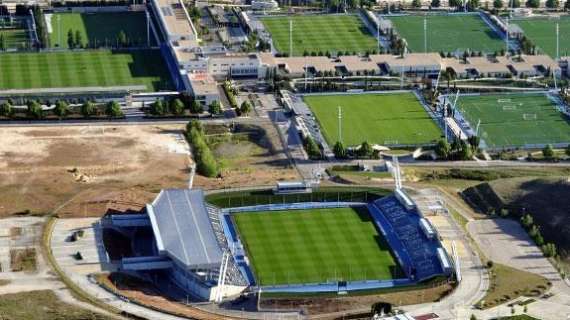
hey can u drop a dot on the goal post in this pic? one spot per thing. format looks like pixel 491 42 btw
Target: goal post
pixel 529 116
pixel 509 107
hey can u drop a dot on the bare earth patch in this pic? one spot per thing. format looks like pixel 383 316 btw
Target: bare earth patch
pixel 88 170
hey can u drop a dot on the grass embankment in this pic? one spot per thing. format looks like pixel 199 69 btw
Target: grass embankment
pixel 43 305
pixel 508 283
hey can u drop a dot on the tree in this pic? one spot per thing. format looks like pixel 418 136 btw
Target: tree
pixel 435 3
pixel 417 3
pixel 122 39
pixel 313 150
pixel 527 220
pixel 35 110
pixel 176 106
pixel 78 39
pixel 88 109
pixel 215 107
pixel 516 3
pixel 339 150
pixel 157 108
pixel 566 5
pixel 365 150
pixel 552 4
pixel 474 142
pixel 473 4
pixel 568 150
pixel 196 107
pixel 473 317
pixel 533 3
pixel 548 152
pixel 498 4
pixel 465 152
pixel 245 107
pixel 443 149
pixel 61 108
pixel 454 3
pixel 3 45
pixel 70 40
pixel 549 250
pixel 5 109
pixel 113 109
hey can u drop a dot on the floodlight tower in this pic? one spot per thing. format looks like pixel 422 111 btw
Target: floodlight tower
pixel 147 28
pixel 557 41
pixel 339 124
pixel 425 34
pixel 378 35
pixel 290 38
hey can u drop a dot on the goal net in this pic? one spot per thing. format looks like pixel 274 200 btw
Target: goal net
pixel 509 107
pixel 529 116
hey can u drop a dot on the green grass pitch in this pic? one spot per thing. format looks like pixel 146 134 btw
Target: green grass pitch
pixel 318 245
pixel 84 69
pixel 542 32
pixel 448 33
pixel 100 29
pixel 503 119
pixel 15 38
pixel 385 119
pixel 320 33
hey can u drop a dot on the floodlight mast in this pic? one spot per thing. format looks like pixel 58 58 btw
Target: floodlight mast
pixel 339 124
pixel 557 42
pixel 290 38
pixel 425 35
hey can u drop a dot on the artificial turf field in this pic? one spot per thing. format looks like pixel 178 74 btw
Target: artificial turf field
pixel 317 245
pixel 448 33
pixel 385 119
pixel 84 69
pixel 320 33
pixel 542 32
pixel 503 121
pixel 99 29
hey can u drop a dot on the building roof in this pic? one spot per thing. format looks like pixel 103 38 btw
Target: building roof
pixel 176 19
pixel 183 229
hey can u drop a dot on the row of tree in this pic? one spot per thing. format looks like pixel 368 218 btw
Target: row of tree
pixel 364 151
pixel 549 249
pixel 206 164
pixel 62 110
pixel 458 149
pixel 75 41
pixel 177 107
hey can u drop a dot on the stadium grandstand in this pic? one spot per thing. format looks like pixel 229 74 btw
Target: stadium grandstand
pixel 204 253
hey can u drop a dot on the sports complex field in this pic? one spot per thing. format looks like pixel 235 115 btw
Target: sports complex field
pixel 447 33
pixel 317 245
pixel 320 33
pixel 385 119
pixel 15 38
pixel 97 29
pixel 542 32
pixel 516 120
pixel 84 69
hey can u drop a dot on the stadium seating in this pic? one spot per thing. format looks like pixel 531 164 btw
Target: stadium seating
pixel 416 253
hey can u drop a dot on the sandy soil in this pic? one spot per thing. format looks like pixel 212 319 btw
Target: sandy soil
pixel 87 170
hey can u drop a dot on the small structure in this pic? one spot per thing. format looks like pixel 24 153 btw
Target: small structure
pixel 292 187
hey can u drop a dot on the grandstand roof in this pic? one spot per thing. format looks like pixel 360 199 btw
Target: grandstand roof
pixel 183 229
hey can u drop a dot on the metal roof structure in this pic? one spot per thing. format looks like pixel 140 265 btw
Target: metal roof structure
pixel 183 229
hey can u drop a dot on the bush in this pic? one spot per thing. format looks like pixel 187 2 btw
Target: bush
pixel 205 162
pixel 490 264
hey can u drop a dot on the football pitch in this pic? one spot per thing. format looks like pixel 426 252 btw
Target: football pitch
pixel 448 33
pixel 15 38
pixel 103 68
pixel 542 32
pixel 385 119
pixel 317 245
pixel 515 120
pixel 98 29
pixel 320 33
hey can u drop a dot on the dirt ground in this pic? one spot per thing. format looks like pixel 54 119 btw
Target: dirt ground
pixel 250 156
pixel 88 170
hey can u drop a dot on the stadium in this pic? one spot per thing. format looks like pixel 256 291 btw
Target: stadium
pixel 354 244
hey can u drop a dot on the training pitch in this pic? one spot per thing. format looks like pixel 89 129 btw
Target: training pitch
pixel 103 68
pixel 515 120
pixel 384 119
pixel 15 38
pixel 98 29
pixel 448 33
pixel 320 33
pixel 542 32
pixel 317 245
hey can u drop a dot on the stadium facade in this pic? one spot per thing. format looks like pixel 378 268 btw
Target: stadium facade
pixel 202 253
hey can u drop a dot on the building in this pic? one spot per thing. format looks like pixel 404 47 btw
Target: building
pixel 203 87
pixel 188 245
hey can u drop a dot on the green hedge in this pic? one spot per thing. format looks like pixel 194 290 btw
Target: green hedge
pixel 205 162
